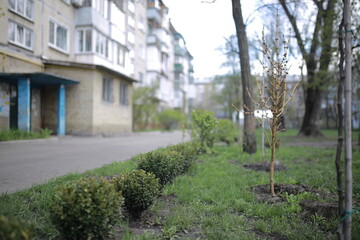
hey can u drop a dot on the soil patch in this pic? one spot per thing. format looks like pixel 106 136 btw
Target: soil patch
pixel 263 192
pixel 324 209
pixel 152 222
pixel 265 166
pixel 272 235
pixel 149 221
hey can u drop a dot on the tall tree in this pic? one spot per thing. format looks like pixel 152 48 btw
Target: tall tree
pixel 340 125
pixel 145 106
pixel 249 140
pixel 317 59
pixel 348 118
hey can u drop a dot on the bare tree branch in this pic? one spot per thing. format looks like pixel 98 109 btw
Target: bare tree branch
pixel 296 29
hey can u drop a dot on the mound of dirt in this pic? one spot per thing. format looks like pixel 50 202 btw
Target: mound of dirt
pixel 152 222
pixel 324 209
pixel 263 193
pixel 271 236
pixel 265 166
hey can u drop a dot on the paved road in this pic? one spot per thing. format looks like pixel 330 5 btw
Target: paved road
pixel 23 164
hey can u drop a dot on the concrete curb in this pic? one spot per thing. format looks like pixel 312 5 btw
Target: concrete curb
pixel 50 139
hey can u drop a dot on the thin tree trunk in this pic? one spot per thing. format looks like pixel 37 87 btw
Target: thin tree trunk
pixel 340 122
pixel 348 142
pixel 273 151
pixel 249 141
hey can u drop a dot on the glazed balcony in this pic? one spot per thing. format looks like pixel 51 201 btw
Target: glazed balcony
pixel 178 67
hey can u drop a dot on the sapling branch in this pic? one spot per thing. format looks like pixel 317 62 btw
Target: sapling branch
pixel 276 96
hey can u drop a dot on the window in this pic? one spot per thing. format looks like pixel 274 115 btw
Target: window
pixel 164 61
pixel 107 89
pixel 124 95
pixel 102 45
pixel 101 6
pixel 84 40
pixel 67 1
pixel 131 6
pixel 120 55
pixel 23 7
pixel 20 35
pixel 140 23
pixel 58 36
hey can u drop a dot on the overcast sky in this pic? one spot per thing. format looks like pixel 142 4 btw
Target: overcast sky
pixel 204 27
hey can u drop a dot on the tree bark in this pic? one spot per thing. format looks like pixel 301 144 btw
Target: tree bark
pixel 348 128
pixel 340 125
pixel 249 141
pixel 316 65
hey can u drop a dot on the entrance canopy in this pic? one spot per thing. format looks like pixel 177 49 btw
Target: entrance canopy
pixel 38 79
pixel 24 83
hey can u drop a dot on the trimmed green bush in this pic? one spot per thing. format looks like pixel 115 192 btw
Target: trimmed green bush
pixel 226 132
pixel 165 165
pixel 86 209
pixel 13 230
pixel 170 119
pixel 139 189
pixel 189 152
pixel 202 131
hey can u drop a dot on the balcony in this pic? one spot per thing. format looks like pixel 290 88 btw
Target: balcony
pixel 191 68
pixel 179 51
pixel 178 67
pixel 87 16
pixel 152 40
pixel 154 14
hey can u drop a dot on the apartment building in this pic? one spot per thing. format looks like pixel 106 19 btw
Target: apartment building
pixel 69 65
pixel 169 64
pixel 183 73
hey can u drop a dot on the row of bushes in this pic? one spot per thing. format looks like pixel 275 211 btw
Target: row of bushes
pixel 91 207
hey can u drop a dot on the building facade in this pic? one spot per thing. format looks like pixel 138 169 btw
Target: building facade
pixel 169 63
pixel 69 65
pixel 183 73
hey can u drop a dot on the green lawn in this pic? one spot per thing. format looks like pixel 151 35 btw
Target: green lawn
pixel 217 198
pixel 14 134
pixel 214 200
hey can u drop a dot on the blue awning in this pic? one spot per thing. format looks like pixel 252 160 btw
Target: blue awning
pixel 38 79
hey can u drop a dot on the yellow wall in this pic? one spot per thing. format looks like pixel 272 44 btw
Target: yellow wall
pixel 35 110
pixel 111 117
pixel 86 112
pixel 79 100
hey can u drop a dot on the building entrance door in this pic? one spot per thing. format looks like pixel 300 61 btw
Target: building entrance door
pixel 13 107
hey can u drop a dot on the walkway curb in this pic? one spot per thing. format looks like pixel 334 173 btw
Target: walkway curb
pixel 50 139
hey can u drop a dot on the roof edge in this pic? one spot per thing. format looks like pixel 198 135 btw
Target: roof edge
pixel 88 66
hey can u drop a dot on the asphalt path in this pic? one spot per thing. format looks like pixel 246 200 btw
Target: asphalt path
pixel 25 163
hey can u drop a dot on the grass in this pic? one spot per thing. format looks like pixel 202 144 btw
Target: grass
pixel 14 134
pixel 214 199
pixel 32 205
